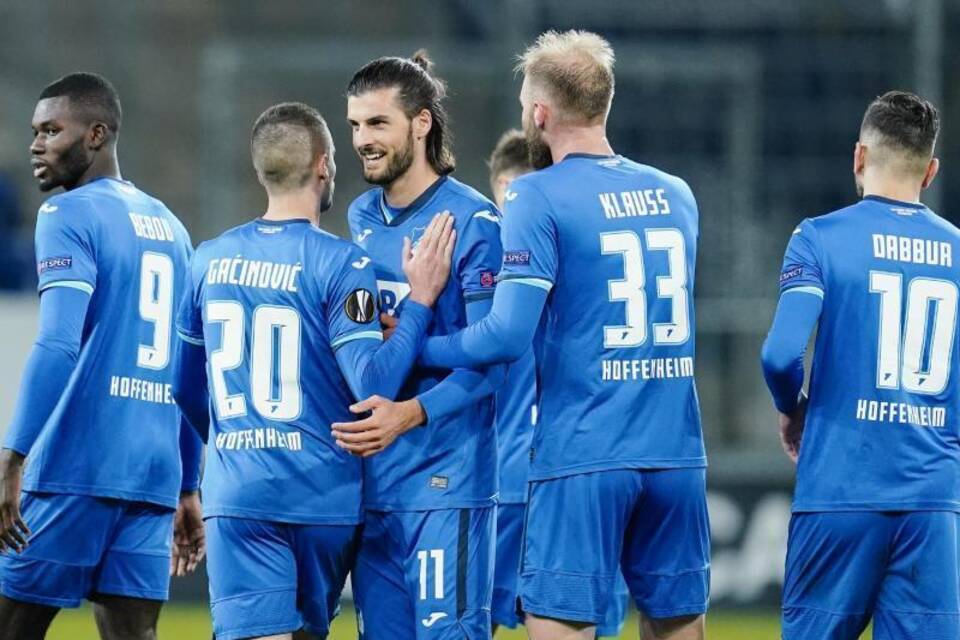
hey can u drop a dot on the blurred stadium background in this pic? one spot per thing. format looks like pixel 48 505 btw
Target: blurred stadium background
pixel 756 103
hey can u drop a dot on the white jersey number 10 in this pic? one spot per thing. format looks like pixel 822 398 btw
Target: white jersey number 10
pixel 901 345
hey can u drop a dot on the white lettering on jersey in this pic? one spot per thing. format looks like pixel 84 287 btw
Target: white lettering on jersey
pixel 631 204
pixel 151 227
pixel 914 415
pixel 913 250
pixel 650 369
pixel 254 273
pixel 143 390
pixel 263 438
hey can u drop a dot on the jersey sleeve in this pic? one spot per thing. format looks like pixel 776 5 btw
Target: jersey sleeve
pixel 190 312
pixel 481 254
pixel 529 237
pixel 802 268
pixel 352 300
pixel 65 244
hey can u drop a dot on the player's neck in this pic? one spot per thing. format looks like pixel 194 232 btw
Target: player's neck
pixel 102 167
pixel 408 187
pixel 292 205
pixel 592 140
pixel 891 188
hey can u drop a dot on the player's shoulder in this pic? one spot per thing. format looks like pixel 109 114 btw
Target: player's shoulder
pixel 657 175
pixel 466 203
pixel 366 204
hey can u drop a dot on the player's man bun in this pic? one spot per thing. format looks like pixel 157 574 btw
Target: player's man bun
pixel 418 89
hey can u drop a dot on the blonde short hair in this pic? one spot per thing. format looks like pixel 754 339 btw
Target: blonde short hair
pixel 576 69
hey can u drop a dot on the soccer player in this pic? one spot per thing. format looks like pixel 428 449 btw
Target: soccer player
pixel 516 417
pixel 425 565
pixel 874 525
pixel 283 316
pixel 606 248
pixel 95 418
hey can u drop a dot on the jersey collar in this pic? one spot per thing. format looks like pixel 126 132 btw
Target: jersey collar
pixel 395 217
pixel 896 203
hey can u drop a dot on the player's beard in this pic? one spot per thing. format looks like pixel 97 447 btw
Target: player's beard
pixel 538 151
pixel 858 181
pixel 398 164
pixel 69 168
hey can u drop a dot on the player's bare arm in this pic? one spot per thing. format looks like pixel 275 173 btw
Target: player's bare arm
pixel 13 530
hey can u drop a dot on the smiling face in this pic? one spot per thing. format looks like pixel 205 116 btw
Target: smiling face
pixel 382 135
pixel 59 152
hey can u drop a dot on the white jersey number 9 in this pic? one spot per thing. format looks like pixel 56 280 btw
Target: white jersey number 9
pixel 156 307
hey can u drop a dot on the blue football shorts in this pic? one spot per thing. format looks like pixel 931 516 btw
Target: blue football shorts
pixel 425 574
pixel 506 575
pixel 84 545
pixel 651 524
pixel 270 578
pixel 900 568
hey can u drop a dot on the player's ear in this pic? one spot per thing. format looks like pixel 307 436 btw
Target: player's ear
pixel 97 135
pixel 322 167
pixel 540 114
pixel 859 158
pixel 932 170
pixel 422 123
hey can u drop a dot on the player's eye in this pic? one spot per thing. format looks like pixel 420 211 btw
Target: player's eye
pixel 50 131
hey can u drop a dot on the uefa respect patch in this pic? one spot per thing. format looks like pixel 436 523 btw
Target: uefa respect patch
pixel 516 258
pixel 790 273
pixel 54 264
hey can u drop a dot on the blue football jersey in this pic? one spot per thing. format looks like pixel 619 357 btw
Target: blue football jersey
pixel 881 432
pixel 116 430
pixel 615 244
pixel 271 301
pixel 451 462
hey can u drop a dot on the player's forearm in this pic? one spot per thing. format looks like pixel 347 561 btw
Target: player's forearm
pixel 381 370
pixel 502 336
pixel 191 456
pixel 460 389
pixel 45 375
pixel 190 385
pixel 49 365
pixel 783 351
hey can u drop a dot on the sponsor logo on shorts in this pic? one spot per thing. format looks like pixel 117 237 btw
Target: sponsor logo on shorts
pixel 433 618
pixel 439 482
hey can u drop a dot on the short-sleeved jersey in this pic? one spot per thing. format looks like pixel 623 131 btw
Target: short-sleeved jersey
pixel 451 461
pixel 881 427
pixel 116 430
pixel 271 302
pixel 614 242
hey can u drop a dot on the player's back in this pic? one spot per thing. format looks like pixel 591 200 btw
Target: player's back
pixel 881 430
pixel 268 293
pixel 616 371
pixel 115 431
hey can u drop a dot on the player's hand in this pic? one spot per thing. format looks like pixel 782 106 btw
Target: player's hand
pixel 428 268
pixel 387 421
pixel 13 530
pixel 389 324
pixel 189 538
pixel 791 429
